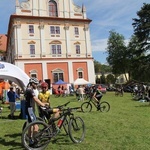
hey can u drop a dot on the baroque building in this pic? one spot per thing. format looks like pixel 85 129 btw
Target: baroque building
pixel 50 39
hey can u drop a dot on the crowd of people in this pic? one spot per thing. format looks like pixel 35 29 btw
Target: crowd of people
pixel 89 91
pixel 37 92
pixel 141 91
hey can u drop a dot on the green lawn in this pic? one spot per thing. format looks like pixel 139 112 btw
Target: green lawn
pixel 125 127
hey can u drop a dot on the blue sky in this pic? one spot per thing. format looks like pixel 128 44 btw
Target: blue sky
pixel 105 15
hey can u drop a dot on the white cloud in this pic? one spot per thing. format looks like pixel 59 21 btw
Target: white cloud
pixel 99 45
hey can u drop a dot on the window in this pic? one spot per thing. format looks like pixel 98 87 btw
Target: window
pixel 33 73
pixel 56 49
pixel 53 8
pixel 80 74
pixel 32 49
pixel 77 49
pixel 31 29
pixel 53 49
pixel 76 30
pixel 54 29
pixel 57 30
pixel 58 76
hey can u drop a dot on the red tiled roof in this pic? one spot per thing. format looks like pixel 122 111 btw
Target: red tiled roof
pixel 3 42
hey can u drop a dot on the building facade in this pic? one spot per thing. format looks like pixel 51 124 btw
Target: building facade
pixel 50 39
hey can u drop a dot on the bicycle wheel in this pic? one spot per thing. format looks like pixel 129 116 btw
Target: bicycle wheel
pixel 86 107
pixel 104 106
pixel 26 122
pixel 40 139
pixel 76 129
pixel 65 126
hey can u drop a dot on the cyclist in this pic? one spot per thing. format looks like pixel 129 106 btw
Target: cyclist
pixel 44 97
pixel 31 99
pixel 97 95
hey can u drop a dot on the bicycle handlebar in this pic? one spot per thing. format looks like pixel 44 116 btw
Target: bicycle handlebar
pixel 59 107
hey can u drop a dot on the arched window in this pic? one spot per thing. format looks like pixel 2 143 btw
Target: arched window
pixel 33 73
pixel 58 74
pixel 53 9
pixel 80 72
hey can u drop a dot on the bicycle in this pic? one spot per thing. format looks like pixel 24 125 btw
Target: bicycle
pixel 43 114
pixel 73 126
pixel 102 106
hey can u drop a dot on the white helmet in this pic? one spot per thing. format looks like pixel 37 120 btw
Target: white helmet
pixel 34 80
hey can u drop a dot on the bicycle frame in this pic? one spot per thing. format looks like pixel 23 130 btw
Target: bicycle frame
pixel 52 122
pixel 93 101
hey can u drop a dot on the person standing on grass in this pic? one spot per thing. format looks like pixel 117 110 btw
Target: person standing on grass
pixel 12 99
pixel 31 99
pixel 81 93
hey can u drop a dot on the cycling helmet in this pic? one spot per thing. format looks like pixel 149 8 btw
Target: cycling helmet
pixel 44 84
pixel 34 80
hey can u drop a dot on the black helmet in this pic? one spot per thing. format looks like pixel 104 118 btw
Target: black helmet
pixel 34 80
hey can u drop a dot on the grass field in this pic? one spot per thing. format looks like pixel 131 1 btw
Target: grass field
pixel 125 127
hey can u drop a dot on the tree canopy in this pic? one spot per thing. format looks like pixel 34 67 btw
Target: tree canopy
pixel 141 27
pixel 133 58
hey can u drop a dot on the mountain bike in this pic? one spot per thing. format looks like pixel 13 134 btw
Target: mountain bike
pixel 73 126
pixel 101 106
pixel 44 116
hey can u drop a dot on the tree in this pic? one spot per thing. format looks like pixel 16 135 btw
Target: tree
pixel 105 68
pixel 142 28
pixel 102 79
pixel 142 32
pixel 117 52
pixel 110 79
pixel 101 68
pixel 97 66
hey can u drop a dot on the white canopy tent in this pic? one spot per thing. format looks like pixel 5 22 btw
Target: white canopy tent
pixel 81 81
pixel 13 73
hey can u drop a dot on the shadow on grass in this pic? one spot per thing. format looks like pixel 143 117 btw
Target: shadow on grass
pixel 11 143
pixel 9 118
pixel 62 139
pixel 144 105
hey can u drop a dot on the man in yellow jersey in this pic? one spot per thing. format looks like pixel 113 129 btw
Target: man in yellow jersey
pixel 44 97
